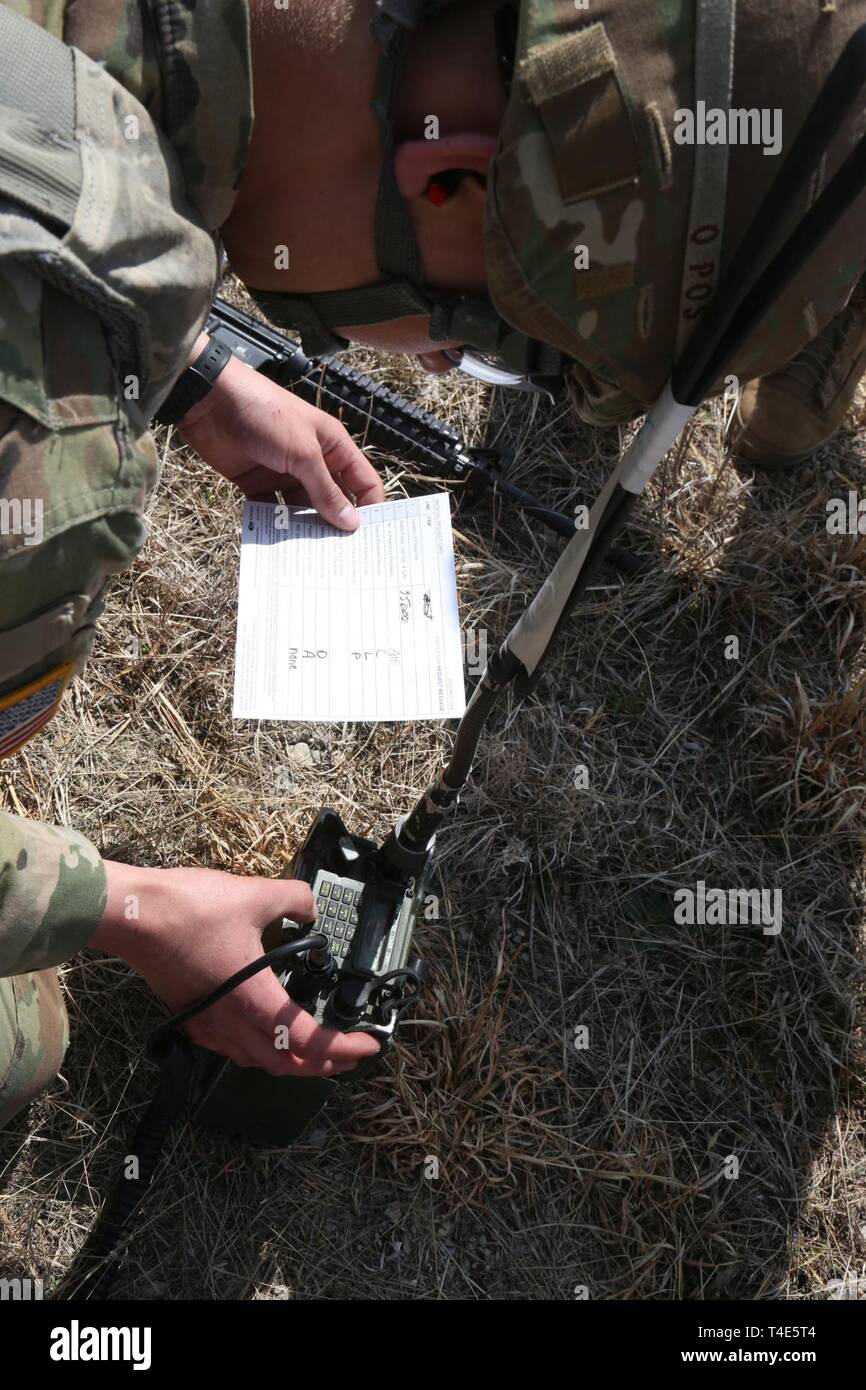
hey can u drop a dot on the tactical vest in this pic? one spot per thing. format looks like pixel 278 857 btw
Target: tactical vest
pixel 107 272
pixel 604 233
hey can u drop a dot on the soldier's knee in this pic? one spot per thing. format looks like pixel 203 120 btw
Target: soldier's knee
pixel 34 1033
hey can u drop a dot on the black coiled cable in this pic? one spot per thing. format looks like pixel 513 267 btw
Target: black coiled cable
pixel 95 1269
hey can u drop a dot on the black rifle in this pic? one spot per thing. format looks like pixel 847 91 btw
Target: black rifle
pixel 386 419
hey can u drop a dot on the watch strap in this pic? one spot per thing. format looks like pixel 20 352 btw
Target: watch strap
pixel 195 382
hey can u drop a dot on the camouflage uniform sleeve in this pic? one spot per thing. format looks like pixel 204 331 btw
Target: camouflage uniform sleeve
pixel 52 894
pixel 190 65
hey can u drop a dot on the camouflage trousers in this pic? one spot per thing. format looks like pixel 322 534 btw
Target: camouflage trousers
pixel 34 1034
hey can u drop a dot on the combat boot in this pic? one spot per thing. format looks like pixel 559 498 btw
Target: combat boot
pixel 781 419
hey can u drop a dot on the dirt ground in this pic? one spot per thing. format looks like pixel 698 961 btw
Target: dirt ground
pixel 706 1142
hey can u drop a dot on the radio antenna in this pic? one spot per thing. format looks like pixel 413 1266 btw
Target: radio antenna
pixel 757 275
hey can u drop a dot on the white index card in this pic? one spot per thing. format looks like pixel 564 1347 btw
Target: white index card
pixel 335 625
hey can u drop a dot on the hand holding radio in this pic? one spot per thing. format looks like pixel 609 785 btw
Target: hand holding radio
pixel 186 930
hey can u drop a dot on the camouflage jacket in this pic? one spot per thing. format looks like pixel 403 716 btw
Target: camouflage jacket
pixel 118 167
pixel 592 244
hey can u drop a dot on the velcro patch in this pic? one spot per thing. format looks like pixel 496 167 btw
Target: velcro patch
pixel 26 711
pixel 607 279
pixel 554 69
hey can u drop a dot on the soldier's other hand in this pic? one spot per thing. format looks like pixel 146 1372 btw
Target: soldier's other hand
pixel 265 440
pixel 188 930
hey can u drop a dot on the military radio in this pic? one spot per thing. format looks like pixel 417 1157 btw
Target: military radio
pixel 363 977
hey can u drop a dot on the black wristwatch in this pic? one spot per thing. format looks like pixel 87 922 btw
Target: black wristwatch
pixel 195 383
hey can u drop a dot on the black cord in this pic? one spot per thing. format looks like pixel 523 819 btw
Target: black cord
pixel 398 1006
pixel 275 957
pixel 377 983
pixel 98 1261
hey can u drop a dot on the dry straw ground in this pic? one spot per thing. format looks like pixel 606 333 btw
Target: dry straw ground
pixel 558 1167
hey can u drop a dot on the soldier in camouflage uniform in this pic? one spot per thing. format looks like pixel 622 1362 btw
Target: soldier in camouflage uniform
pixel 110 202
pixel 517 134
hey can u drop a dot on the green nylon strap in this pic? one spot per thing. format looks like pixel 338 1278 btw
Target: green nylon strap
pixel 334 308
pixel 469 319
pixel 396 247
pixel 395 300
pixel 716 22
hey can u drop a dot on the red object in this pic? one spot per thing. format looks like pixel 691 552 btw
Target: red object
pixel 436 193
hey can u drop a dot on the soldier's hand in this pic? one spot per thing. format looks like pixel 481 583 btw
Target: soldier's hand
pixel 188 930
pixel 266 440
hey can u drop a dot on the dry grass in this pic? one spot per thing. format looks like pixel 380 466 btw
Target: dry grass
pixel 558 1167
